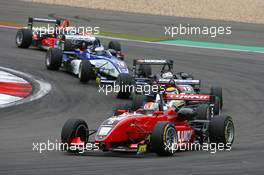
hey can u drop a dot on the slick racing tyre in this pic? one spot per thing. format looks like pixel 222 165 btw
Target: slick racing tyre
pixel 145 70
pixel 217 91
pixel 164 139
pixel 24 38
pixel 74 128
pixel 217 106
pixel 222 130
pixel 138 100
pixel 85 71
pixel 124 81
pixel 203 112
pixel 53 59
pixel 115 45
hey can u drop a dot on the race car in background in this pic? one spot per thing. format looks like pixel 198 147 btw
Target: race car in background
pixel 41 37
pixel 184 98
pixel 142 75
pixel 152 128
pixel 84 56
pixel 181 83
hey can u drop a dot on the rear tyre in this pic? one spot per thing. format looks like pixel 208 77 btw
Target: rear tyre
pixel 24 38
pixel 222 130
pixel 138 100
pixel 124 81
pixel 217 91
pixel 164 138
pixel 85 71
pixel 115 45
pixel 145 70
pixel 217 106
pixel 203 112
pixel 53 59
pixel 74 128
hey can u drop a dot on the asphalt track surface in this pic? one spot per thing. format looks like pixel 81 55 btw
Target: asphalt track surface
pixel 240 74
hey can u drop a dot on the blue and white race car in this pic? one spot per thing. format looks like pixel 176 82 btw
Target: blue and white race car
pixel 84 56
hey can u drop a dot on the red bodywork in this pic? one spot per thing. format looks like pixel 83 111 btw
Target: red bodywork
pixel 132 129
pixel 47 42
pixel 135 129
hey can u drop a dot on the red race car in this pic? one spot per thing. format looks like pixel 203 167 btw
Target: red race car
pixel 42 37
pixel 152 129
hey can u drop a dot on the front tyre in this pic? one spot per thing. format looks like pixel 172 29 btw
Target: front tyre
pixel 53 59
pixel 164 139
pixel 85 71
pixel 74 128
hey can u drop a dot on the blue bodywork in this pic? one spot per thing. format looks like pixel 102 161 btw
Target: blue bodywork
pixel 98 61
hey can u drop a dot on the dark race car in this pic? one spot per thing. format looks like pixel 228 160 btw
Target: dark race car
pixel 153 128
pixel 142 75
pixel 183 98
pixel 42 37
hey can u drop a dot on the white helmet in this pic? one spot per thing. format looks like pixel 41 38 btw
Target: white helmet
pixel 99 50
pixel 167 75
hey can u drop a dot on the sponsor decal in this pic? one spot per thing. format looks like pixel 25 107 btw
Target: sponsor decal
pixel 151 61
pixel 184 136
pixel 187 97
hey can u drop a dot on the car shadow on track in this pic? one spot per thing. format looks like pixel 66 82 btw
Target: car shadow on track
pixel 121 154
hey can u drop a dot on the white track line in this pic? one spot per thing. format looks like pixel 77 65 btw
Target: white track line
pixel 41 87
pixel 6 99
pixel 7 77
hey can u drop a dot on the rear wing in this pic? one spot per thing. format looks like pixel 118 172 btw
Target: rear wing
pixel 162 62
pixel 188 97
pixel 31 20
pixel 87 38
pixel 179 81
pixel 152 62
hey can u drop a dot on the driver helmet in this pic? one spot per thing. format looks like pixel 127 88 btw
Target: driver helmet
pixel 99 50
pixel 167 75
pixel 174 103
pixel 172 90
